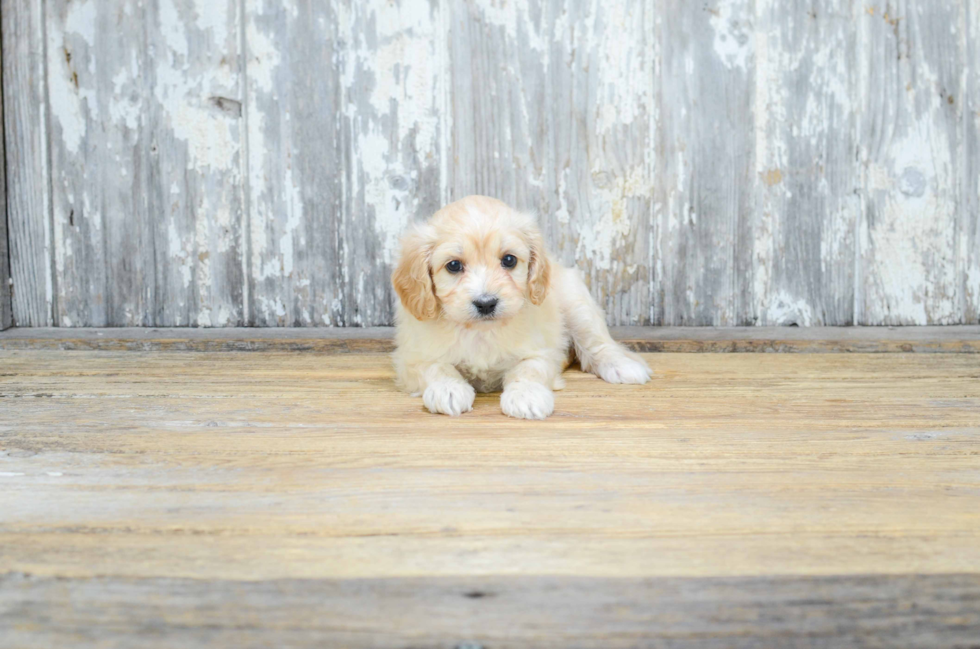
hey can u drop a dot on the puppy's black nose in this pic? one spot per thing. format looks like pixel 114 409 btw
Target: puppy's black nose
pixel 485 305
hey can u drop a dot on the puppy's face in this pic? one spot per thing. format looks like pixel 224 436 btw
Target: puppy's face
pixel 477 263
pixel 481 274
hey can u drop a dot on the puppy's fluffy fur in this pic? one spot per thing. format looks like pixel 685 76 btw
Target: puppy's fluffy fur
pixel 483 307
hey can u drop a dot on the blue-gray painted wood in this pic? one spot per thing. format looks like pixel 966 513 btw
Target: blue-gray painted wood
pixel 553 107
pixel 910 77
pixel 730 162
pixel 798 245
pixel 26 151
pixel 147 135
pixel 6 303
pixel 968 214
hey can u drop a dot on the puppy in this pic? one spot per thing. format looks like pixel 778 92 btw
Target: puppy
pixel 483 307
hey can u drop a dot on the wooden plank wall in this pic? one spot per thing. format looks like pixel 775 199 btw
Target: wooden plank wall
pixel 6 303
pixel 727 162
pixel 25 145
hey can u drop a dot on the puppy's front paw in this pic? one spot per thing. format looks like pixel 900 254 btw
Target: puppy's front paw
pixel 623 369
pixel 527 400
pixel 451 398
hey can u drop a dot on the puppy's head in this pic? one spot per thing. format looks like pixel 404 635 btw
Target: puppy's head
pixel 476 262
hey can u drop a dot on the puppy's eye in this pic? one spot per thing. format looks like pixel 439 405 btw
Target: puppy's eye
pixel 509 261
pixel 455 266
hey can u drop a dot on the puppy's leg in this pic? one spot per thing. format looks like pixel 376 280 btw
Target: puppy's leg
pixel 444 390
pixel 527 389
pixel 596 350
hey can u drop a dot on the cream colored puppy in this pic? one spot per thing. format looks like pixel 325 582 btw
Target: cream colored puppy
pixel 483 307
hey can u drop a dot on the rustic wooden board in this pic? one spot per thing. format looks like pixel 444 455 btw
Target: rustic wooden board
pixel 394 129
pixel 331 340
pixel 6 305
pixel 707 179
pixel 729 162
pixel 26 148
pixel 726 465
pixel 968 253
pixel 296 164
pixel 803 500
pixel 346 143
pixel 800 269
pixel 911 79
pixel 147 186
pixel 553 106
pixel 927 612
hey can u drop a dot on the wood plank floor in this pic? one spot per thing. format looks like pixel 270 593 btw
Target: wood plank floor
pixel 282 499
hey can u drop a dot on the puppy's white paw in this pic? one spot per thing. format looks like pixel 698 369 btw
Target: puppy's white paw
pixel 527 400
pixel 623 369
pixel 447 397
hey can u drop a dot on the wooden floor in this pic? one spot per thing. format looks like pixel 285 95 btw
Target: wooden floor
pixel 298 500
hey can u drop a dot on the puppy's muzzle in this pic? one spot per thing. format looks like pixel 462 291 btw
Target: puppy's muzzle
pixel 485 305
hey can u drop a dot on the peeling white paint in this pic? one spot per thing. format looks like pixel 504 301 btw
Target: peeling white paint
pixel 785 310
pixel 81 20
pixel 390 216
pixel 70 101
pixel 763 103
pixel 172 28
pixel 264 54
pixel 731 21
pixel 514 18
pixel 403 64
pixel 179 251
pixel 910 240
pixel 893 227
pixel 294 219
pixel 561 214
pixel 212 17
pixel 184 93
pixel 125 106
pixel 598 243
pixel 625 77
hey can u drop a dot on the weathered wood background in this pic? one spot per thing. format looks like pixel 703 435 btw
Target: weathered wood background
pixel 6 304
pixel 722 162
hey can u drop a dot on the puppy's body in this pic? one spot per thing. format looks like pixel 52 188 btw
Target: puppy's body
pixel 482 354
pixel 492 325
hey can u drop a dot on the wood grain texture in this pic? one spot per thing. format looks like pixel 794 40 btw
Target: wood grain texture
pixel 147 188
pixel 6 304
pixel 968 252
pixel 733 162
pixel 707 189
pixel 346 138
pixel 552 110
pixel 812 498
pixel 927 612
pixel 296 164
pixel 909 142
pixel 267 466
pixel 393 126
pixel 26 149
pixel 800 270
pixel 351 340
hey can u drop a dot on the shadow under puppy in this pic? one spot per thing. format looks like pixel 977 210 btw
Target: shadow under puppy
pixel 483 307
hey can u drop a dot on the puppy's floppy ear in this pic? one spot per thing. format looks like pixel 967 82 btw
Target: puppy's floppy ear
pixel 539 268
pixel 412 279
